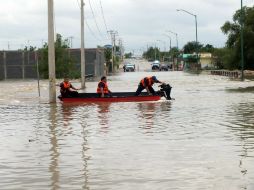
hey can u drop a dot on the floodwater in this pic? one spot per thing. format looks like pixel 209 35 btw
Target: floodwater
pixel 204 139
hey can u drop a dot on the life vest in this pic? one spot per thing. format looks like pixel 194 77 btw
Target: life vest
pixel 150 81
pixel 67 85
pixel 105 89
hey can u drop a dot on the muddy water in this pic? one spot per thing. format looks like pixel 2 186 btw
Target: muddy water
pixel 202 140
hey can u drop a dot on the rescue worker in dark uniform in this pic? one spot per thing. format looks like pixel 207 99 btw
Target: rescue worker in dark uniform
pixel 102 88
pixel 67 89
pixel 147 83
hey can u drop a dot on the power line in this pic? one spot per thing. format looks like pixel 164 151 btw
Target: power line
pixel 79 4
pixel 97 8
pixel 95 18
pixel 104 20
pixel 89 28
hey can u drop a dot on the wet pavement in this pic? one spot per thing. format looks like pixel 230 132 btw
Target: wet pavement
pixel 204 139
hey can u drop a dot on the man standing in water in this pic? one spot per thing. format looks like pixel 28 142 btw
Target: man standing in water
pixel 67 89
pixel 147 83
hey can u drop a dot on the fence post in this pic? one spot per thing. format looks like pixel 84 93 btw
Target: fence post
pixel 5 67
pixel 96 63
pixel 37 69
pixel 23 65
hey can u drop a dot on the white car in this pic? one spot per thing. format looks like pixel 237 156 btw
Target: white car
pixel 129 67
pixel 156 65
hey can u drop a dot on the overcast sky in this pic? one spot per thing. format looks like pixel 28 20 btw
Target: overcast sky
pixel 138 22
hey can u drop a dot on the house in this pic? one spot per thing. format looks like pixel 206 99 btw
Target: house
pixel 206 60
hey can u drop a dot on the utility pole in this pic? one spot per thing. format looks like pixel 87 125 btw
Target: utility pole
pixel 114 47
pixel 169 54
pixel 169 41
pixel 51 53
pixel 112 56
pixel 113 38
pixel 176 47
pixel 70 41
pixel 164 43
pixel 82 49
pixel 120 44
pixel 176 37
pixel 154 51
pixel 242 57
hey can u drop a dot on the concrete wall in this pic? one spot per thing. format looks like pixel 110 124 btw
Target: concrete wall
pixel 22 65
pixel 94 60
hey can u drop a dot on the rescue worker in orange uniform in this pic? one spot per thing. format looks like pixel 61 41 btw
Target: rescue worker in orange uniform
pixel 67 89
pixel 102 88
pixel 147 83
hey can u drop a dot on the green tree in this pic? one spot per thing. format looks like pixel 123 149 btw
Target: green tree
pixel 207 48
pixel 30 48
pixel 232 30
pixel 174 52
pixel 64 64
pixel 223 58
pixel 152 53
pixel 191 47
pixel 128 55
pixel 108 54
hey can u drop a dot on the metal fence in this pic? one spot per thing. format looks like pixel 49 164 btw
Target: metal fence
pixel 23 64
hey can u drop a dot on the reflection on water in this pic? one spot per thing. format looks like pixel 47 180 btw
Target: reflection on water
pixel 103 114
pixel 242 125
pixel 202 140
pixel 53 167
pixel 149 112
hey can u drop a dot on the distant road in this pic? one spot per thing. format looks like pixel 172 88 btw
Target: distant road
pixel 140 64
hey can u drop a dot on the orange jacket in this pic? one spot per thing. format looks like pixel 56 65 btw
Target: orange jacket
pixel 150 81
pixel 67 85
pixel 105 88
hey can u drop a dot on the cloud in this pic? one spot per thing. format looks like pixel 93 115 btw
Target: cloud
pixel 138 22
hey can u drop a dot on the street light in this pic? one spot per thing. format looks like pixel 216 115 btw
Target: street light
pixel 195 21
pixel 164 43
pixel 176 37
pixel 196 28
pixel 176 47
pixel 155 51
pixel 169 41
pixel 169 44
pixel 158 50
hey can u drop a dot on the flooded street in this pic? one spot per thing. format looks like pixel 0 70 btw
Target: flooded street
pixel 204 139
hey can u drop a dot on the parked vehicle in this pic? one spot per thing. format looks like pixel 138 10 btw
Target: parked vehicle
pixel 156 65
pixel 129 67
pixel 164 67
